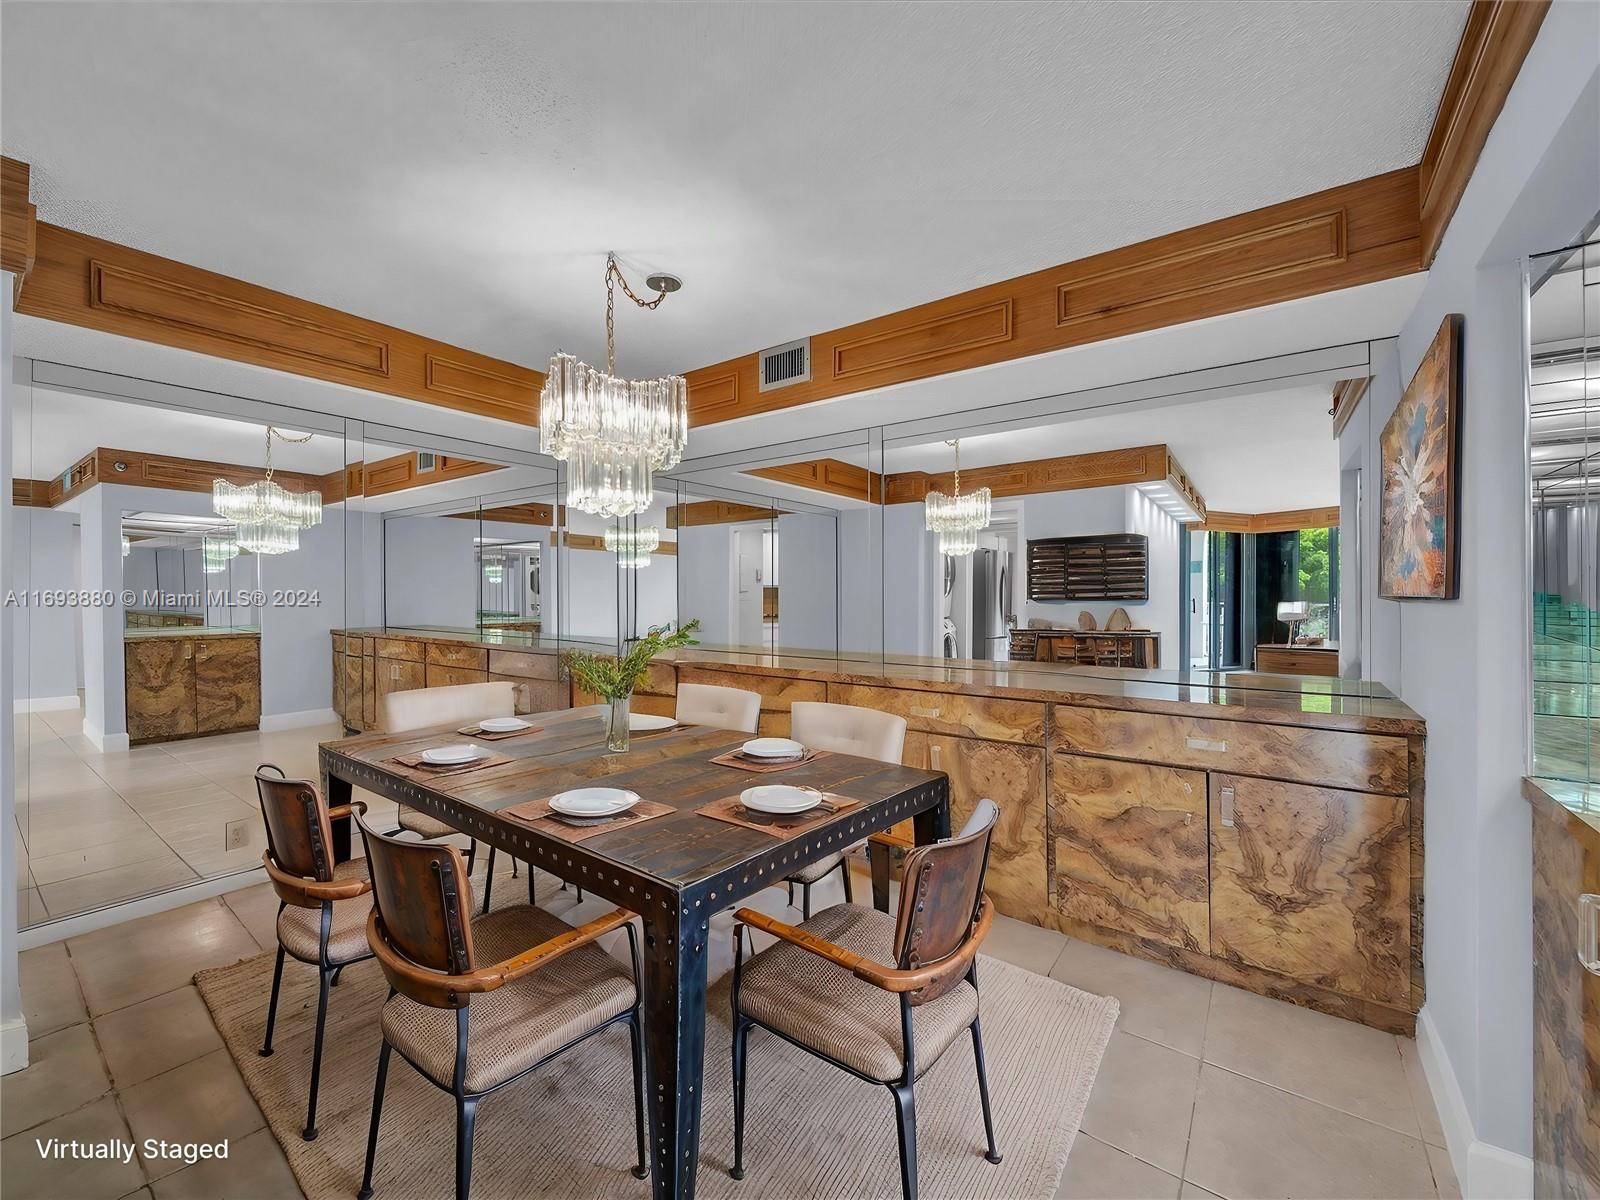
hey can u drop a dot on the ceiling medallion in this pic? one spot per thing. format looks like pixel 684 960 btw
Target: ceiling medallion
pixel 957 519
pixel 613 433
pixel 269 519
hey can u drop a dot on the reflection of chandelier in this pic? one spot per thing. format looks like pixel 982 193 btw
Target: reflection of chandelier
pixel 633 546
pixel 217 552
pixel 613 433
pixel 269 519
pixel 957 519
pixel 127 545
pixel 494 567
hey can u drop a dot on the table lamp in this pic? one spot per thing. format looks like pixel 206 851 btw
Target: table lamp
pixel 1291 613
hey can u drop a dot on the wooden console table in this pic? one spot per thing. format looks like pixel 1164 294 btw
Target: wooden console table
pixel 1298 660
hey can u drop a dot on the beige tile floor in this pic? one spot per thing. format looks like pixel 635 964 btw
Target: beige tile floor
pixel 1205 1090
pixel 97 828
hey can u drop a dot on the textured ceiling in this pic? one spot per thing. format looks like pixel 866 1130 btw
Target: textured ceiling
pixel 461 170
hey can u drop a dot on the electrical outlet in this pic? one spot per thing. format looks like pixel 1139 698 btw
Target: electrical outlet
pixel 236 834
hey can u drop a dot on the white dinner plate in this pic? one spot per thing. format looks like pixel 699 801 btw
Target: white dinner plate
pixel 646 723
pixel 593 801
pixel 772 748
pixel 780 798
pixel 450 756
pixel 502 724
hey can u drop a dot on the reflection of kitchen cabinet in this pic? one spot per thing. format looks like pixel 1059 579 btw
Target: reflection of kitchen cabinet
pixel 1130 848
pixel 178 686
pixel 1312 883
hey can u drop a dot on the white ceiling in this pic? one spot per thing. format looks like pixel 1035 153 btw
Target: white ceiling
pixel 1265 452
pixel 461 170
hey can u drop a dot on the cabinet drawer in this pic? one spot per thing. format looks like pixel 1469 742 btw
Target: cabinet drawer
pixel 534 695
pixel 402 648
pixel 777 692
pixel 1131 851
pixel 397 675
pixel 943 712
pixel 1312 883
pixel 338 643
pixel 453 654
pixel 1362 761
pixel 524 666
pixel 440 675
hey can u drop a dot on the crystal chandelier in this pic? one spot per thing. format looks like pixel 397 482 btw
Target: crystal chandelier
pixel 217 552
pixel 494 567
pixel 268 519
pixel 127 545
pixel 632 546
pixel 957 519
pixel 613 433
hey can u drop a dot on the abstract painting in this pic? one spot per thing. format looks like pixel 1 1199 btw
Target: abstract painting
pixel 1418 556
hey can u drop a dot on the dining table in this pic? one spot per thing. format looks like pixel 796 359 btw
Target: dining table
pixel 675 871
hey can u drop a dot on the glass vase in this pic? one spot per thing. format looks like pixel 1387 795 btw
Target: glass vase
pixel 617 724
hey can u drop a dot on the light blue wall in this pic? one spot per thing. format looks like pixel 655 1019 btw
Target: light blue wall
pixel 45 666
pixel 807 581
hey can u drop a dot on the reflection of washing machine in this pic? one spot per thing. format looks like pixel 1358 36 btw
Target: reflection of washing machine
pixel 951 648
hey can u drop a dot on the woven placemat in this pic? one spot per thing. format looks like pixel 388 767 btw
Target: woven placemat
pixel 489 735
pixel 574 829
pixel 787 825
pixel 757 766
pixel 412 765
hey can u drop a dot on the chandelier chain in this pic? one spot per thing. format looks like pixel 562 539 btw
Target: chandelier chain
pixel 957 445
pixel 614 276
pixel 273 431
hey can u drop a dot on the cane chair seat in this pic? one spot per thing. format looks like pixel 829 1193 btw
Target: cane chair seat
pixel 817 870
pixel 300 929
pixel 420 823
pixel 824 1006
pixel 514 1026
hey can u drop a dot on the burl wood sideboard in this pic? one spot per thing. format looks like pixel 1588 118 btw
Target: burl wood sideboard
pixel 182 682
pixel 1261 830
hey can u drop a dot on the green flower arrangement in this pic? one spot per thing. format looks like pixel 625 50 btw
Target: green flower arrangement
pixel 613 678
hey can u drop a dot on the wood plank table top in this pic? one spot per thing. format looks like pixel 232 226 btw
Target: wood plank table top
pixel 675 871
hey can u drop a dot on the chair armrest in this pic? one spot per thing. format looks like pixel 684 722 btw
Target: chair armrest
pixel 890 979
pixel 348 810
pixel 310 893
pixel 421 983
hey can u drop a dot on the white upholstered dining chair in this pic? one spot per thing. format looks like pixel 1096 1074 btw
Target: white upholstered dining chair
pixel 843 729
pixel 458 704
pixel 719 707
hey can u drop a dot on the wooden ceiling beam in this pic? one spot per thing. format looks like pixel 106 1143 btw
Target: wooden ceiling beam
pixel 18 220
pixel 1496 40
pixel 830 475
pixel 1273 522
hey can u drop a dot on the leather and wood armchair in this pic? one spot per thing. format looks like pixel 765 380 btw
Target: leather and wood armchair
pixel 461 703
pixel 844 729
pixel 475 1005
pixel 877 996
pixel 322 906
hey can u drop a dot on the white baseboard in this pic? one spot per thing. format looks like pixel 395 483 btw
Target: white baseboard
pixel 46 704
pixel 115 914
pixel 1486 1171
pixel 13 1045
pixel 102 741
pixel 297 720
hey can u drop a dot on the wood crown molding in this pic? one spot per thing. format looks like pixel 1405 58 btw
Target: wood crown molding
pixel 1273 522
pixel 1357 233
pixel 1496 40
pixel 1103 468
pixel 18 219
pixel 30 493
pixel 87 281
pixel 826 475
pixel 717 512
pixel 1347 394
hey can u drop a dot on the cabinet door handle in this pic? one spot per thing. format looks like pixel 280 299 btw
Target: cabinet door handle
pixel 1226 799
pixel 924 712
pixel 934 755
pixel 1589 932
pixel 1195 743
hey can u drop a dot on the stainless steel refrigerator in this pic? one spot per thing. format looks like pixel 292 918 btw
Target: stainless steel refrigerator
pixel 992 614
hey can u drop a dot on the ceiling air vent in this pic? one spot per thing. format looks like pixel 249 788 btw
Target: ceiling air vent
pixel 786 364
pixel 425 461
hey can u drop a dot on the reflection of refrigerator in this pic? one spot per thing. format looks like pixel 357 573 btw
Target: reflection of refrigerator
pixel 992 615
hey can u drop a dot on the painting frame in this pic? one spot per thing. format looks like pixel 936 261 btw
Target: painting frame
pixel 1419 456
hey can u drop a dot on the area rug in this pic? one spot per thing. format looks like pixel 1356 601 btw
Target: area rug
pixel 567 1129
